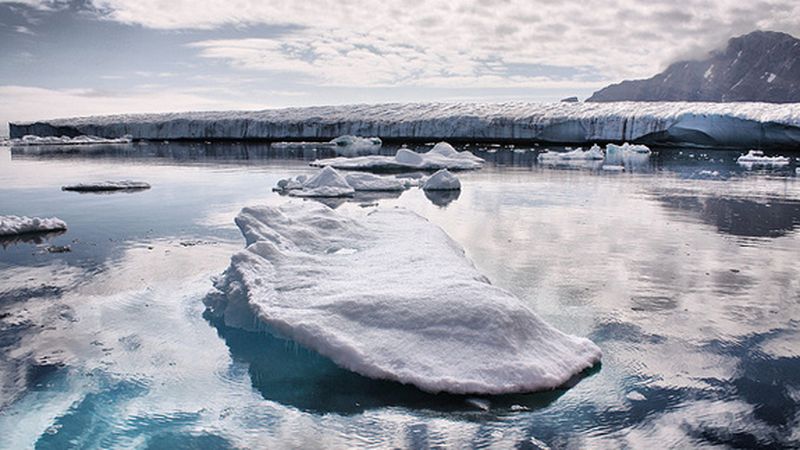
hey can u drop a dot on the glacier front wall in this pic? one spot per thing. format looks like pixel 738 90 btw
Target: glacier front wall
pixel 705 124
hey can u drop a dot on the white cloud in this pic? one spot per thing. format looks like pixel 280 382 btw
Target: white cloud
pixel 383 42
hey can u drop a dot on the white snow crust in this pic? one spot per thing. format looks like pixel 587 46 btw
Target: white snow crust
pixel 441 156
pixel 14 225
pixel 107 186
pixel 707 124
pixel 442 180
pixel 362 181
pixel 389 295
pixel 31 140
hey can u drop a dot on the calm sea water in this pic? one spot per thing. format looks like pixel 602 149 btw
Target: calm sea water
pixel 683 269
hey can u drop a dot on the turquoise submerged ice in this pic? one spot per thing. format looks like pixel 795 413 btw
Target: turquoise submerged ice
pixel 389 295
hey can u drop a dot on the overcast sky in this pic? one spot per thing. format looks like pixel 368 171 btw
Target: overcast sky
pixel 65 58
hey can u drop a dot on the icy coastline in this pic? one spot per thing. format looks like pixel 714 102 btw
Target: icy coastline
pixel 389 295
pixel 701 124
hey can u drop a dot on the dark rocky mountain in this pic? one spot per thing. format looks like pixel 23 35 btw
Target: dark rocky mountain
pixel 762 66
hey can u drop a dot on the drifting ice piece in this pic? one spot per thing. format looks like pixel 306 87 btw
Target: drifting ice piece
pixel 356 146
pixel 389 295
pixel 442 180
pixel 107 186
pixel 328 182
pixel 325 183
pixel 13 225
pixel 30 140
pixel 442 156
pixel 756 157
pixel 593 154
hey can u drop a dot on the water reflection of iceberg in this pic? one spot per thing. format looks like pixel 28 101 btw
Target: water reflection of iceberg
pixel 291 375
pixel 29 238
pixel 739 216
pixel 442 198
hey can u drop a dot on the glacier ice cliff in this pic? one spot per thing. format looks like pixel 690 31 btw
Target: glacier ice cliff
pixel 389 295
pixel 705 124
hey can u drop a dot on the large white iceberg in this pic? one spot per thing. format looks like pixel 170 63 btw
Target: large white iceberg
pixel 442 180
pixel 441 156
pixel 389 295
pixel 124 185
pixel 711 124
pixel 757 158
pixel 32 140
pixel 14 225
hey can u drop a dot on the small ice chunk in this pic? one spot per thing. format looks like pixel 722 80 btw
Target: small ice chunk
pixel 757 157
pixel 14 225
pixel 406 306
pixel 107 186
pixel 349 145
pixel 442 180
pixel 613 168
pixel 328 182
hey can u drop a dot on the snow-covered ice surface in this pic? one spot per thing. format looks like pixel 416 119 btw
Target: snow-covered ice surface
pixel 362 181
pixel 441 156
pixel 123 185
pixel 757 157
pixel 389 295
pixel 32 140
pixel 442 180
pixel 14 225
pixel 707 124
pixel 325 183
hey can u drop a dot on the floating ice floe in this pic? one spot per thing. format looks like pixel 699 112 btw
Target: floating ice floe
pixel 595 153
pixel 631 148
pixel 389 295
pixel 125 185
pixel 757 157
pixel 325 183
pixel 328 182
pixel 14 225
pixel 64 140
pixel 442 180
pixel 441 156
pixel 356 146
